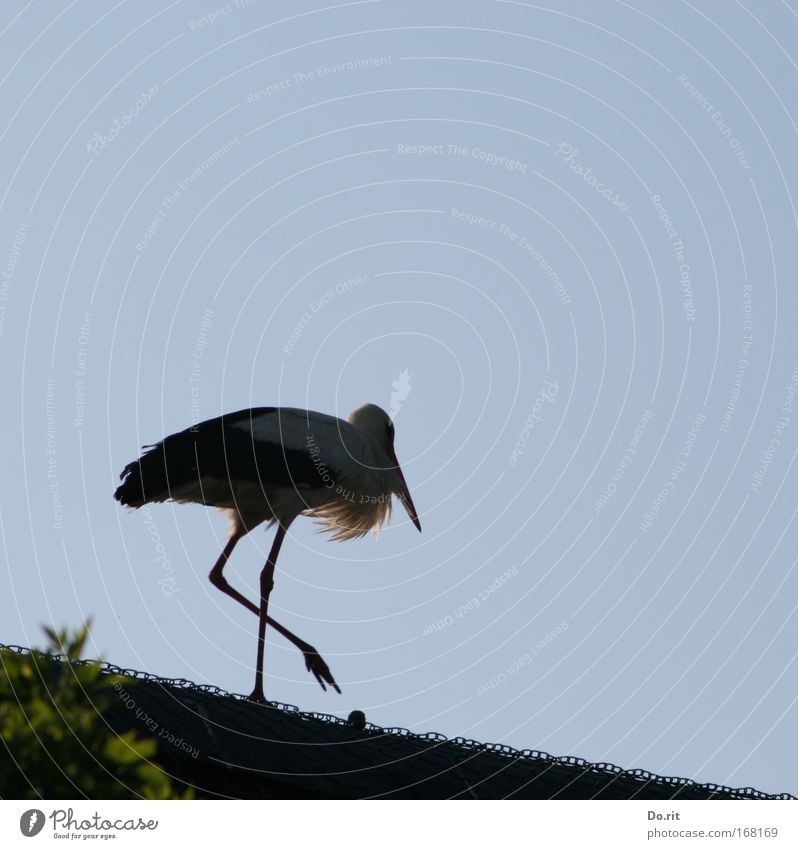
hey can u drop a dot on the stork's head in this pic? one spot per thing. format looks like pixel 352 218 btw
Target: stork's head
pixel 378 425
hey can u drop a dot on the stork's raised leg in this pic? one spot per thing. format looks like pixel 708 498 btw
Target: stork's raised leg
pixel 313 660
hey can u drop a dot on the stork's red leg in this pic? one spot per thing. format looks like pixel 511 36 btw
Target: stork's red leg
pixel 266 586
pixel 313 660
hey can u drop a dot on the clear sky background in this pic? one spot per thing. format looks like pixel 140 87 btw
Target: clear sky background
pixel 572 225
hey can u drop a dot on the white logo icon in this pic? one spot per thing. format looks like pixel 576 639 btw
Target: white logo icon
pixel 31 822
pixel 402 389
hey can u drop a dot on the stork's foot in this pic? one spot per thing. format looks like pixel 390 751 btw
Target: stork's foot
pixel 257 696
pixel 315 664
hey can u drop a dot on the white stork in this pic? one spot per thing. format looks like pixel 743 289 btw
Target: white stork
pixel 272 464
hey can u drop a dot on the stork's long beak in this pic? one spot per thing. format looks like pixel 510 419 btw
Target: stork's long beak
pixel 404 495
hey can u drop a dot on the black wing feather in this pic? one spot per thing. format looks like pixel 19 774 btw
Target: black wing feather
pixel 215 449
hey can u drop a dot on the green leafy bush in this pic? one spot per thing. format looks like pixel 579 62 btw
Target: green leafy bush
pixel 55 742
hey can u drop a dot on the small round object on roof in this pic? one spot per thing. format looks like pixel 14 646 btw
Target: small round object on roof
pixel 357 719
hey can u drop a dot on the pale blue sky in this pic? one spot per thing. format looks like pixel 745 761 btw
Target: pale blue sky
pixel 567 199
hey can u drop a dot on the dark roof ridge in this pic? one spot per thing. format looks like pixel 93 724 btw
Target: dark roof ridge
pixel 473 746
